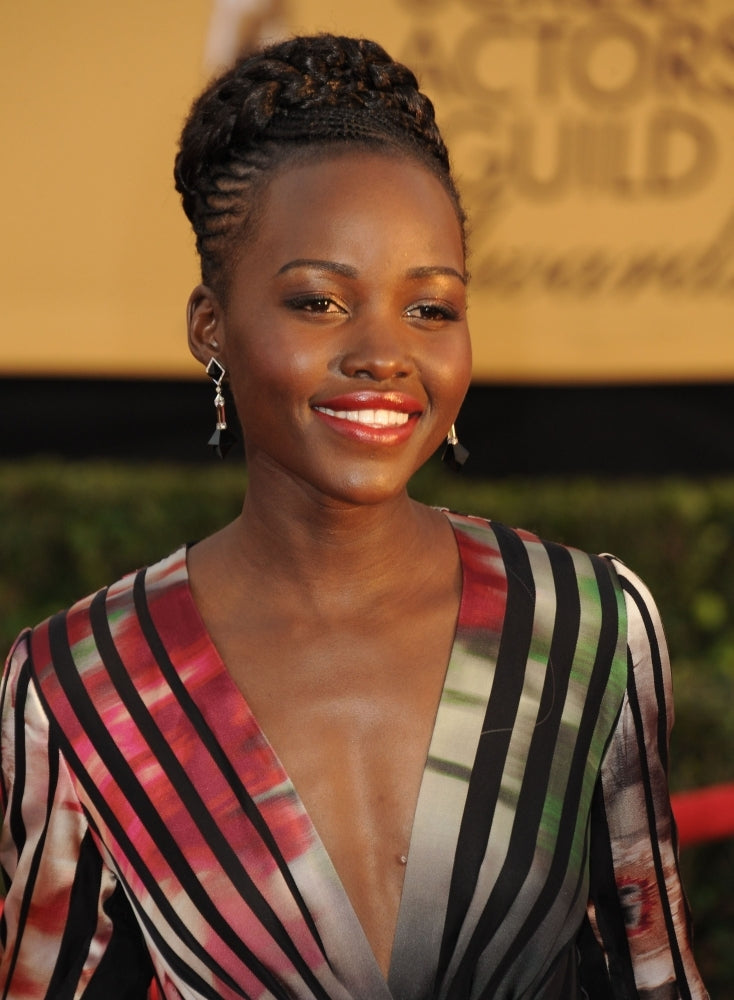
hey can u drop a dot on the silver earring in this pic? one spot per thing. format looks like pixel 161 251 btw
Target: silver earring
pixel 454 454
pixel 222 439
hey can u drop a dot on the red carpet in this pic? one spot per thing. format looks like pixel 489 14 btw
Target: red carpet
pixel 704 814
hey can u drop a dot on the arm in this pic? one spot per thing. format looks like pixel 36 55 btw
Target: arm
pixel 66 927
pixel 637 908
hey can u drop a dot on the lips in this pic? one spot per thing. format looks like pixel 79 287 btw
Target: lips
pixel 372 417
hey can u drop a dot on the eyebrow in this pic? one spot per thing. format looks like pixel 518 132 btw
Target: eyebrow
pixel 429 272
pixel 347 271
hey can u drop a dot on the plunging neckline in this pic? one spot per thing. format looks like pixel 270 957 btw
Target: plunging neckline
pixel 276 776
pixel 197 823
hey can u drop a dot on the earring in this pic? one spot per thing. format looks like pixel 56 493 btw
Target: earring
pixel 222 439
pixel 454 454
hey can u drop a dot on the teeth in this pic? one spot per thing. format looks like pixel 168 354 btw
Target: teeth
pixel 372 418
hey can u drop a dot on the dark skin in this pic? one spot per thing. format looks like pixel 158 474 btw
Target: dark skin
pixel 333 598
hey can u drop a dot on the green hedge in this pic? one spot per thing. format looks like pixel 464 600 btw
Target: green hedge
pixel 66 529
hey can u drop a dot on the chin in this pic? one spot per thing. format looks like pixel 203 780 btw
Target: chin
pixel 365 489
pixel 366 482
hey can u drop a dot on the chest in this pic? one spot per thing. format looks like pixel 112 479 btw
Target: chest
pixel 350 713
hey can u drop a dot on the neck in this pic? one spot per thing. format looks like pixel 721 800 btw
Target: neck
pixel 330 550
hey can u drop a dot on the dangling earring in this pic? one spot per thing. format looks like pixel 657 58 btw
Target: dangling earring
pixel 454 454
pixel 222 439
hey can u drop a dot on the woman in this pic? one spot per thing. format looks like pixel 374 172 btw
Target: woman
pixel 349 746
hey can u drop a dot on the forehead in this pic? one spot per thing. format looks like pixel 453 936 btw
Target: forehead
pixel 343 199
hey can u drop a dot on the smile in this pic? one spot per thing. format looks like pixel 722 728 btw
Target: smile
pixel 369 418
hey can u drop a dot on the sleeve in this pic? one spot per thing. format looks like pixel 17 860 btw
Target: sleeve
pixel 66 927
pixel 637 909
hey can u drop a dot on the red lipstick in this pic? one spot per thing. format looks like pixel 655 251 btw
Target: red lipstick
pixel 366 400
pixel 371 417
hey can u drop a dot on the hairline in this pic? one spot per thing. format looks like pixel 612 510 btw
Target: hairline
pixel 287 155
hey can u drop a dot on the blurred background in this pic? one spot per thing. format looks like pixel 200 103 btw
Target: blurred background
pixel 594 146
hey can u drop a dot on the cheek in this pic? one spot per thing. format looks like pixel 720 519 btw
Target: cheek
pixel 453 372
pixel 274 381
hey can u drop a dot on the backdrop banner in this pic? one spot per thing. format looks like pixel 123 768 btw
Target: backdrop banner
pixel 593 141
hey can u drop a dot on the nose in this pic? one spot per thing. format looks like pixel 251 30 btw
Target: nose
pixel 379 352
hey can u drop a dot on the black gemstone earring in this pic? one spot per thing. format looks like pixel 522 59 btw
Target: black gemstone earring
pixel 454 454
pixel 222 439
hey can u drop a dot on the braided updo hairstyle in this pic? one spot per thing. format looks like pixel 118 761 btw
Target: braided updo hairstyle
pixel 293 101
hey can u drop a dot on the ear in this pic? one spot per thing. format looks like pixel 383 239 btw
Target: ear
pixel 205 325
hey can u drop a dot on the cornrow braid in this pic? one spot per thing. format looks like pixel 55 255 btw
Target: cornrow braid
pixel 288 101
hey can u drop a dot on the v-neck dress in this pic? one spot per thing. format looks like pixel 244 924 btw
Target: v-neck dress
pixel 152 836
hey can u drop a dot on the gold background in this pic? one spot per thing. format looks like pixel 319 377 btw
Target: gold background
pixel 593 141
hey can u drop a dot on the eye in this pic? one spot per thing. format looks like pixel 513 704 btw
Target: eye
pixel 321 304
pixel 433 312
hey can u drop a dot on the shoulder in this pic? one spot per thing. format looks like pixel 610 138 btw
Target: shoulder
pixel 63 679
pixel 485 534
pixel 649 682
pixel 25 742
pixel 13 688
pixel 596 595
pixel 559 592
pixel 76 641
pixel 545 564
pixel 644 623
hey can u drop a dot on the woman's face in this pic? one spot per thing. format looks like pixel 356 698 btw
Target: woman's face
pixel 344 333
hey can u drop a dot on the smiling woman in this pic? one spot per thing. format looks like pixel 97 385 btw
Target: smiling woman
pixel 343 326
pixel 348 746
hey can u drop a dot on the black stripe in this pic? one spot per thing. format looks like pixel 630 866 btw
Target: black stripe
pixel 35 864
pixel 81 923
pixel 657 670
pixel 163 754
pixel 499 720
pixel 137 796
pixel 68 677
pixel 662 724
pixel 533 792
pixel 649 799
pixel 22 640
pixel 4 791
pixel 610 916
pixel 563 652
pixel 125 971
pixel 209 740
pixel 168 951
pixel 16 823
pixel 592 968
pixel 139 800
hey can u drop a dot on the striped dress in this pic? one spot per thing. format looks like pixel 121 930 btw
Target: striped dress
pixel 151 835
